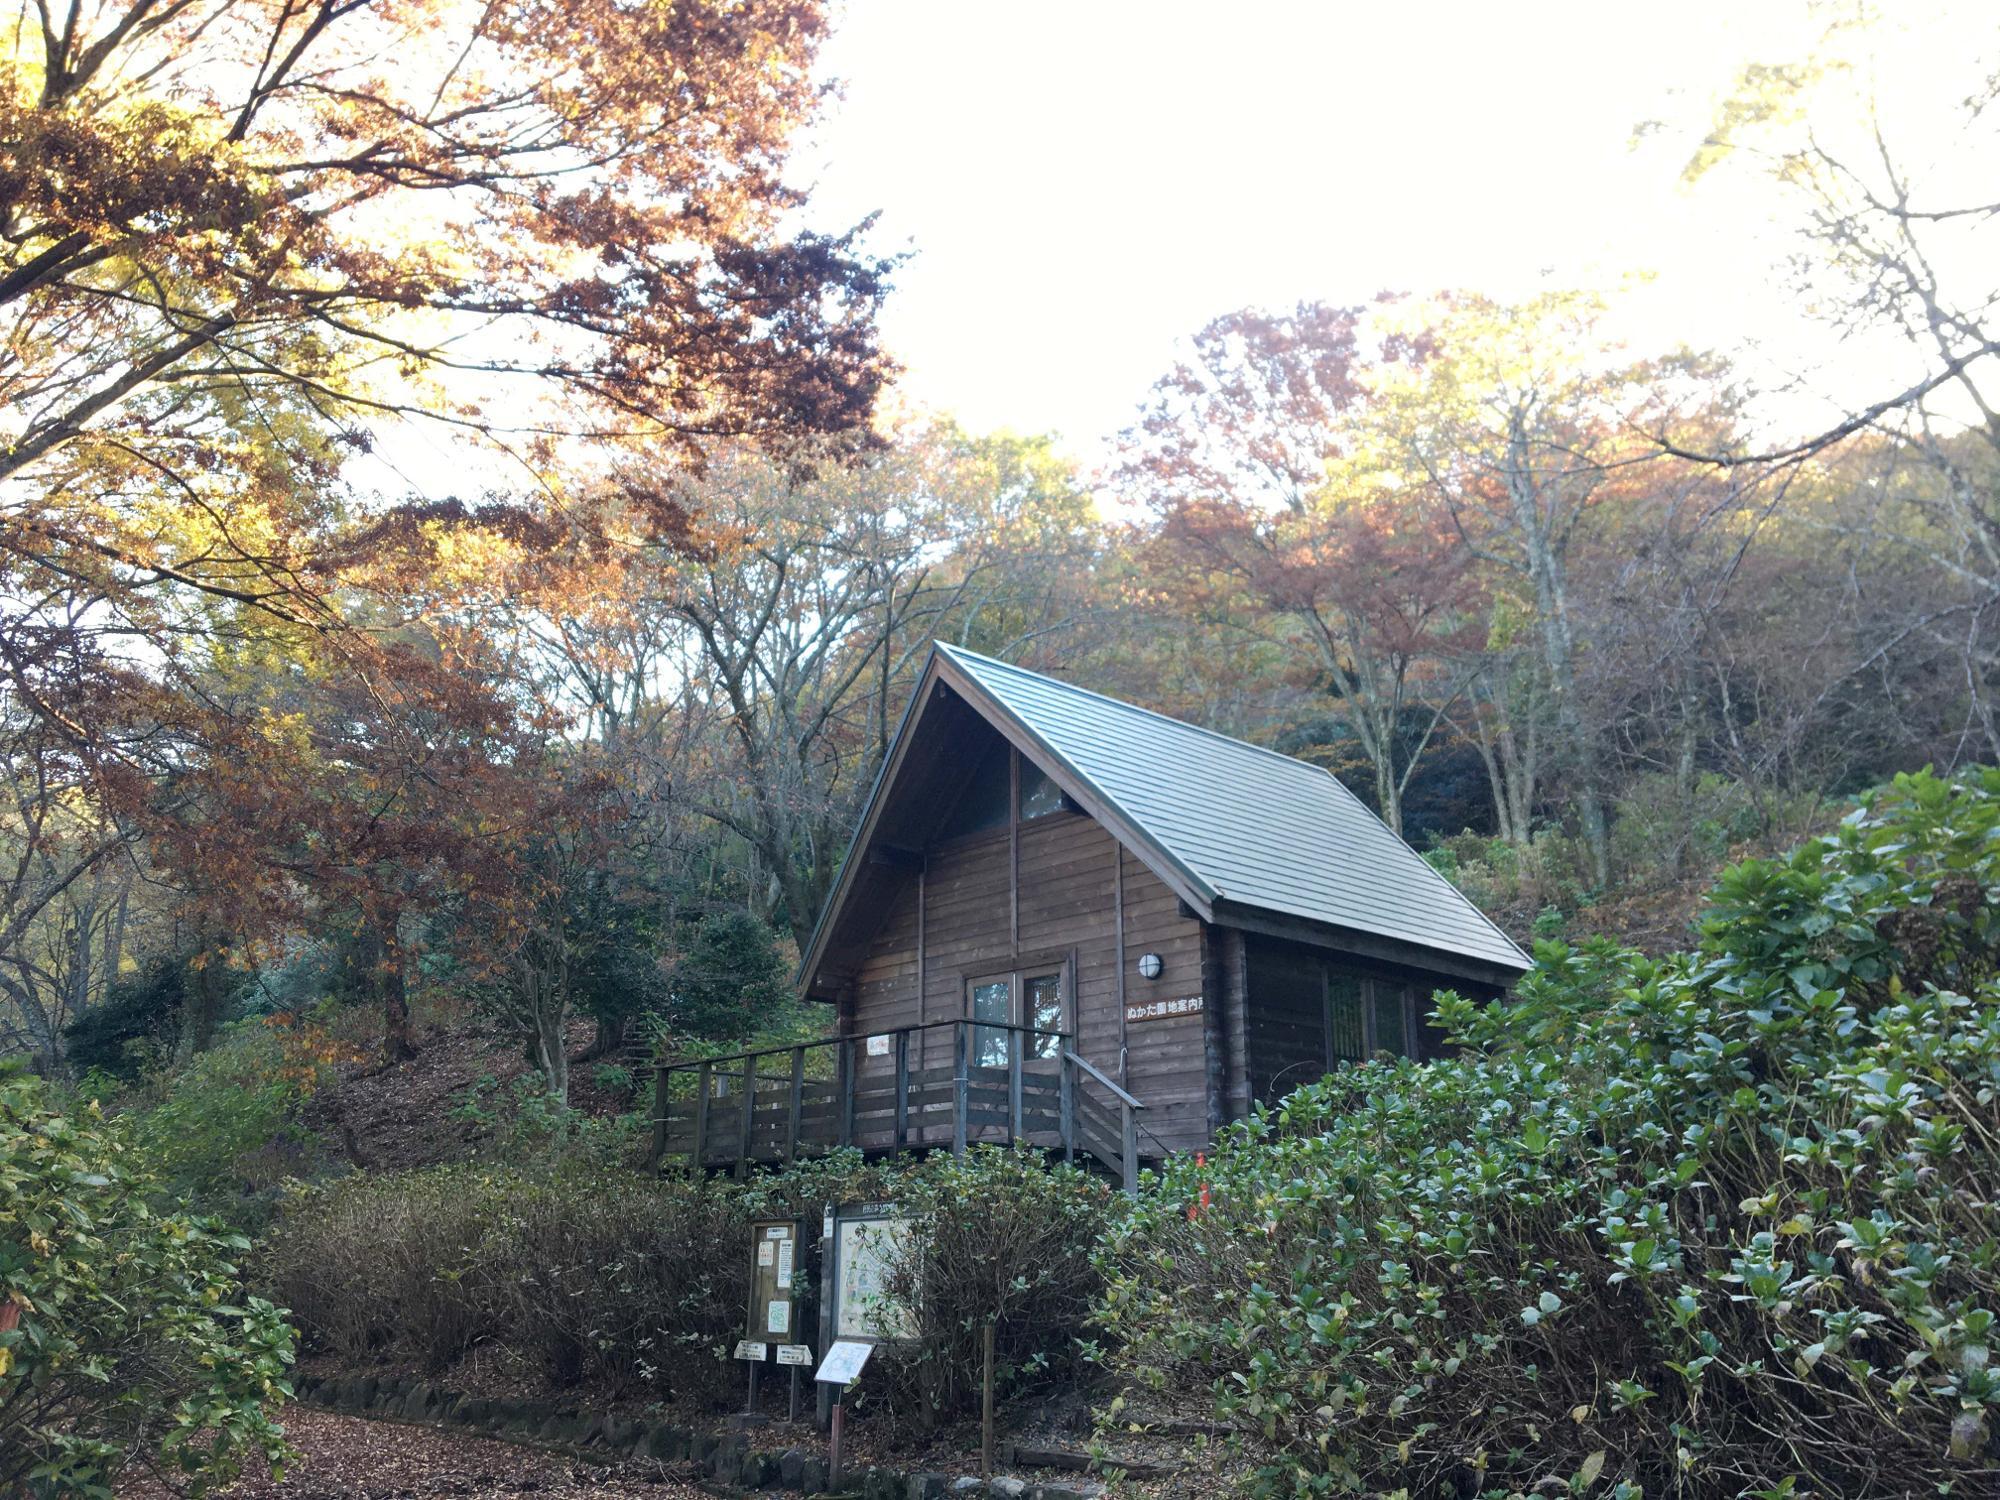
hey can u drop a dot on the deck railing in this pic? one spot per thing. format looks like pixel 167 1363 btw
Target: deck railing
pixel 883 1092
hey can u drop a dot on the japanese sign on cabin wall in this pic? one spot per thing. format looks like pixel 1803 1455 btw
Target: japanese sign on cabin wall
pixel 1160 1010
pixel 774 1259
pixel 869 1243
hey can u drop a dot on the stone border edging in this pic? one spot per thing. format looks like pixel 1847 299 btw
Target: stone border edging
pixel 725 1458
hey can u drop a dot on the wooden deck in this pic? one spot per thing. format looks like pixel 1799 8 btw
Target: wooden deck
pixel 784 1103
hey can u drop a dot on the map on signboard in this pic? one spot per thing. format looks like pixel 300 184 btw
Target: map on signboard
pixel 867 1252
pixel 843 1362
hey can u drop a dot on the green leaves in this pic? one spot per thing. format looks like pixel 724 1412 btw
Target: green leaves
pixel 124 1332
pixel 1708 1202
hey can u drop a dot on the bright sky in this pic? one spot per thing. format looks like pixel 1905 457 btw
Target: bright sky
pixel 1086 181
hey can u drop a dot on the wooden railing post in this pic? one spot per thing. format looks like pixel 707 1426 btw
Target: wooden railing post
pixel 850 1076
pixel 701 1116
pixel 749 1115
pixel 792 1109
pixel 1014 1086
pixel 902 1089
pixel 958 1090
pixel 1129 1133
pixel 659 1115
pixel 1066 1105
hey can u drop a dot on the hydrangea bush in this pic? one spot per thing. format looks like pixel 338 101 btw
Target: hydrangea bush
pixel 1722 1225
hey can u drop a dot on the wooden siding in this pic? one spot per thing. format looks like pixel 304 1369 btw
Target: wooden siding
pixel 1047 894
pixel 1290 1037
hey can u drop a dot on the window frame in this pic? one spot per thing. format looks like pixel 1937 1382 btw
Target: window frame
pixel 1016 978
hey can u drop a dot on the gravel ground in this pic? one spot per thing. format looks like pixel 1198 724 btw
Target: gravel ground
pixel 356 1459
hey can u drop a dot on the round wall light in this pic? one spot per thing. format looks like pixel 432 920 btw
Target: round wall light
pixel 1150 965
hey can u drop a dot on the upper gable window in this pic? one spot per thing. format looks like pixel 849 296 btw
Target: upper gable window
pixel 1039 795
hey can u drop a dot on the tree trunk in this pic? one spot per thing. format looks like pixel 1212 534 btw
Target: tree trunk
pixel 1545 572
pixel 551 1050
pixel 205 993
pixel 382 951
pixel 609 1040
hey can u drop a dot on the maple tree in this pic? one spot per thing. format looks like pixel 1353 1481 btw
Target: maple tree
pixel 236 249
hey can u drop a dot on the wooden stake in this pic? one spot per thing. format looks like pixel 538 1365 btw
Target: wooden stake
pixel 833 1447
pixel 986 1404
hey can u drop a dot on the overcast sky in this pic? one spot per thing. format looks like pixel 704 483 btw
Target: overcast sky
pixel 1084 182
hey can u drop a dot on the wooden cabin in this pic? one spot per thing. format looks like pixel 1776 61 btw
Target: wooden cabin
pixel 1069 920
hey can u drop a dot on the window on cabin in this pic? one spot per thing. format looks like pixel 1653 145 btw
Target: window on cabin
pixel 1043 1008
pixel 1027 999
pixel 1039 795
pixel 992 1000
pixel 983 803
pixel 1346 1027
pixel 1389 1015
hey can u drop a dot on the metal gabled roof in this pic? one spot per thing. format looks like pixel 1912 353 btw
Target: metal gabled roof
pixel 1232 828
pixel 1242 825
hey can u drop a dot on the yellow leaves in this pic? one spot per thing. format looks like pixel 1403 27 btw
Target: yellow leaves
pixel 41 1244
pixel 468 557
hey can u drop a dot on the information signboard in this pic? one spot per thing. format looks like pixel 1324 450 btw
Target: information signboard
pixel 869 1243
pixel 774 1248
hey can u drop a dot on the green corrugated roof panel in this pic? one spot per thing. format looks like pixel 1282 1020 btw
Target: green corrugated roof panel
pixel 1244 824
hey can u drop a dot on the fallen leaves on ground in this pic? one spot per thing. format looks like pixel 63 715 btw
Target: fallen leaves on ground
pixel 353 1458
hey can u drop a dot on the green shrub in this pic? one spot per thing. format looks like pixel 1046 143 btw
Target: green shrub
pixel 124 1336
pixel 1721 1225
pixel 1550 870
pixel 224 1133
pixel 607 1278
pixel 1002 1238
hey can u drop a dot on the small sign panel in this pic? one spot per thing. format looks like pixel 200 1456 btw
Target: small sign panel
pixel 795 1354
pixel 1161 1010
pixel 843 1362
pixel 878 1046
pixel 752 1350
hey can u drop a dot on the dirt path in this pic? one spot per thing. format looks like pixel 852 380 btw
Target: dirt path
pixel 352 1458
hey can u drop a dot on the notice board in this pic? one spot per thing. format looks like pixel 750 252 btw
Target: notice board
pixel 774 1261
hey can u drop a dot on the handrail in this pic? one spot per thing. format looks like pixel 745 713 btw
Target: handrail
pixel 1123 1098
pixel 835 1041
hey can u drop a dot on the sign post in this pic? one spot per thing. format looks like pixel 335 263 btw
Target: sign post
pixel 840 1369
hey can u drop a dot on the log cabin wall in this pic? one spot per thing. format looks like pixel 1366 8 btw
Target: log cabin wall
pixel 1311 1008
pixel 1053 891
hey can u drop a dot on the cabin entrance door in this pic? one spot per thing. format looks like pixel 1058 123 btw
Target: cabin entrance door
pixel 1036 999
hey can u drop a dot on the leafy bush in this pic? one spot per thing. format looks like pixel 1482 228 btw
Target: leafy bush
pixel 224 1133
pixel 1720 1225
pixel 1550 870
pixel 608 1278
pixel 136 1025
pixel 123 1335
pixel 1002 1238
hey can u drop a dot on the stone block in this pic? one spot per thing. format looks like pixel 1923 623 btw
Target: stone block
pixel 791 1465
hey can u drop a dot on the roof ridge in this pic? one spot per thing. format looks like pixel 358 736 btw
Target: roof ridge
pixel 1140 708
